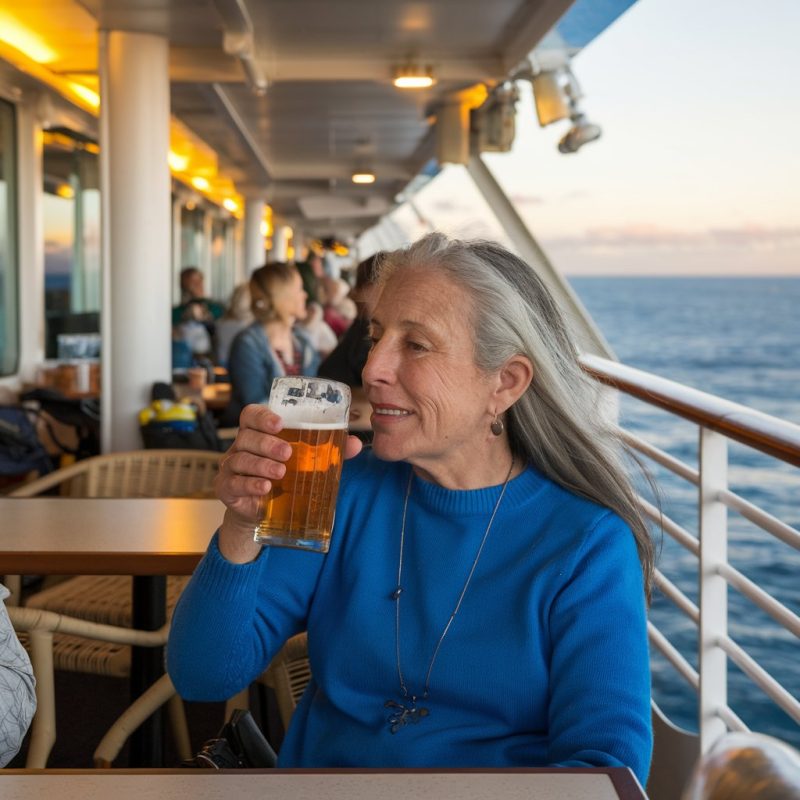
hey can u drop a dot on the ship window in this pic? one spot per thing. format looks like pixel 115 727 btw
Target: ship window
pixel 72 236
pixel 9 267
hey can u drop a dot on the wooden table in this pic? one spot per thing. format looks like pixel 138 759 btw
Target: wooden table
pixel 532 784
pixel 105 536
pixel 143 537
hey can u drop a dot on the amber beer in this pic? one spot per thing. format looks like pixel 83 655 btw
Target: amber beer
pixel 300 508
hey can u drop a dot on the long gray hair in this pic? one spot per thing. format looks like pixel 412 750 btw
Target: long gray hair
pixel 558 424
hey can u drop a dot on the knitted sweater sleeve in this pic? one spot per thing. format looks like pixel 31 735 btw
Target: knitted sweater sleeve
pixel 233 618
pixel 599 713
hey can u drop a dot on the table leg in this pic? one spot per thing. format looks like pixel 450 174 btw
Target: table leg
pixel 147 666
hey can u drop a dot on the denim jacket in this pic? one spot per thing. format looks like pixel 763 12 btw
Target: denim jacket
pixel 252 365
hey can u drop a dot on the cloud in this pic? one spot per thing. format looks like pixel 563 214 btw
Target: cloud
pixel 521 199
pixel 651 236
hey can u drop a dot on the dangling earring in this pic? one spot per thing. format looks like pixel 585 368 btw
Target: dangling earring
pixel 497 426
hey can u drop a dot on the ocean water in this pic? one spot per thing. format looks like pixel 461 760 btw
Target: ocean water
pixel 738 338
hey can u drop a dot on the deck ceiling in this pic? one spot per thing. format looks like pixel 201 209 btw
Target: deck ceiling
pixel 330 105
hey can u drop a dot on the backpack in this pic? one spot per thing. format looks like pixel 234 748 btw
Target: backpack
pixel 20 448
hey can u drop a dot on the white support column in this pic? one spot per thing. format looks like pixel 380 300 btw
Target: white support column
pixel 254 245
pixel 31 239
pixel 135 144
pixel 713 587
pixel 280 243
pixel 590 339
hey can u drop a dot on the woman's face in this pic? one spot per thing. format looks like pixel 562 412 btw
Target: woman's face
pixel 290 300
pixel 432 406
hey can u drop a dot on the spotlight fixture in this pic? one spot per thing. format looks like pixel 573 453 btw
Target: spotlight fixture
pixel 557 94
pixel 363 176
pixel 581 133
pixel 413 76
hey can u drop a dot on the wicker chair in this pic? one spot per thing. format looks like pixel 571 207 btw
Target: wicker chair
pixel 139 473
pixel 47 636
pixel 105 600
pixel 288 675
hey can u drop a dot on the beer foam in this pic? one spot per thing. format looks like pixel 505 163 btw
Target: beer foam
pixel 312 426
pixel 310 403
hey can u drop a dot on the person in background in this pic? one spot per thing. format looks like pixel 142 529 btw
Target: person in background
pixel 193 321
pixel 339 310
pixel 483 601
pixel 321 334
pixel 312 273
pixel 272 345
pixel 345 362
pixel 347 359
pixel 238 315
pixel 17 687
pixel 194 305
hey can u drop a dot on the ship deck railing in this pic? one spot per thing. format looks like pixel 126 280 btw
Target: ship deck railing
pixel 719 422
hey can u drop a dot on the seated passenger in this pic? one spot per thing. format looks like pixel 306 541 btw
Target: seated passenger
pixel 347 359
pixel 195 306
pixel 483 601
pixel 321 334
pixel 17 692
pixel 238 315
pixel 272 345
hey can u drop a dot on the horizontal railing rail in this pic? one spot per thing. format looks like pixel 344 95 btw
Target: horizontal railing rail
pixel 762 432
pixel 718 420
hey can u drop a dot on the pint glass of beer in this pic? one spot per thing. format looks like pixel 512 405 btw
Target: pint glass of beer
pixel 299 510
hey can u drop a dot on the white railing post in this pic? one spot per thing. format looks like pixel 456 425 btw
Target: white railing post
pixel 713 587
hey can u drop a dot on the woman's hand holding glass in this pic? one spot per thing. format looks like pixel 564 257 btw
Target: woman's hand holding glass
pixel 255 459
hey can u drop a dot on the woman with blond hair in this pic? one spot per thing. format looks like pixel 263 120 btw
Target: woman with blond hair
pixel 272 345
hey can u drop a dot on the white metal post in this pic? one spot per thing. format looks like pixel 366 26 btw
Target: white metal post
pixel 590 339
pixel 713 587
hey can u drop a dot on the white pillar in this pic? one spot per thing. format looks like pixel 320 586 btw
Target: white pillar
pixel 280 243
pixel 135 144
pixel 254 247
pixel 31 239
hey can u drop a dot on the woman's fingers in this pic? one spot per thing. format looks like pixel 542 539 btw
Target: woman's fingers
pixel 352 446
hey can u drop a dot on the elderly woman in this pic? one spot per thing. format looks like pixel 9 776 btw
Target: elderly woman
pixel 483 600
pixel 272 345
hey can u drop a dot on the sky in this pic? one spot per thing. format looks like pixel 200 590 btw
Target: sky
pixel 697 171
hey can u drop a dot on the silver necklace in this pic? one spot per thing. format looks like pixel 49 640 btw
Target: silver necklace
pixel 406 710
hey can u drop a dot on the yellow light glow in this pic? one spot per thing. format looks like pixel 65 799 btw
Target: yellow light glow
pixel 290 253
pixel 177 162
pixel 413 76
pixel 65 190
pixel 191 205
pixel 91 147
pixel 85 93
pixel 363 177
pixel 26 41
pixel 413 81
pixel 201 183
pixel 264 228
pixel 230 204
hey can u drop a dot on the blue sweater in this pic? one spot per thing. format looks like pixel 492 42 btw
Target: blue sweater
pixel 546 662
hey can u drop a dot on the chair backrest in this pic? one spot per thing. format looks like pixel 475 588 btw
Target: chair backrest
pixel 137 473
pixel 675 752
pixel 288 675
